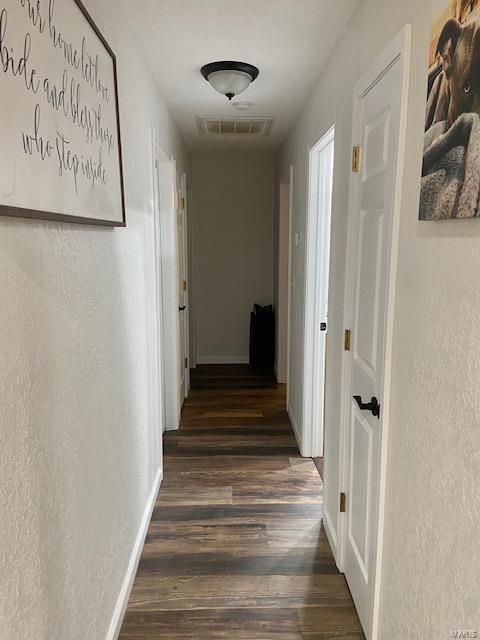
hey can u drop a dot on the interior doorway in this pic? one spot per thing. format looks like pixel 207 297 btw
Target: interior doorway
pixel 158 329
pixel 182 286
pixel 166 255
pixel 321 159
pixel 283 276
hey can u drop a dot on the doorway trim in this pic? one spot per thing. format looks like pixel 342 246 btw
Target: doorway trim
pixel 316 298
pixel 157 353
pixel 398 50
pixel 165 194
pixel 289 292
pixel 282 230
pixel 185 209
pixel 192 307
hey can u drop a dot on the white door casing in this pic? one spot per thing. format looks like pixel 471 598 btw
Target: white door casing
pixel 170 339
pixel 289 297
pixel 158 351
pixel 379 126
pixel 182 244
pixel 192 323
pixel 283 287
pixel 320 185
pixel 186 288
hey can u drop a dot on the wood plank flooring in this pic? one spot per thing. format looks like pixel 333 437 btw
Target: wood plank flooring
pixel 236 547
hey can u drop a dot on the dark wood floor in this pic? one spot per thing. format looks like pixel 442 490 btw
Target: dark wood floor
pixel 236 547
pixel 228 376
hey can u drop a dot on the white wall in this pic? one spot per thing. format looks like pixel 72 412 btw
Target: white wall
pixel 233 195
pixel 431 563
pixel 78 451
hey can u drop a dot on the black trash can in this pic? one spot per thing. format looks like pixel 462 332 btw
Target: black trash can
pixel 262 338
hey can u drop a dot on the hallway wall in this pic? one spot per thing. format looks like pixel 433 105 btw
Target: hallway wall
pixel 430 571
pixel 79 452
pixel 233 194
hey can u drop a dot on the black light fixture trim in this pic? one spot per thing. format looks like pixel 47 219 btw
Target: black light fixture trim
pixel 229 65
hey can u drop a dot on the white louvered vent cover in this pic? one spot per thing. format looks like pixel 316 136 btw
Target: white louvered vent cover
pixel 221 126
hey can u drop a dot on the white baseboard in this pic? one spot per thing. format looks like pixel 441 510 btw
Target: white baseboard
pixel 223 359
pixel 330 531
pixel 296 429
pixel 122 600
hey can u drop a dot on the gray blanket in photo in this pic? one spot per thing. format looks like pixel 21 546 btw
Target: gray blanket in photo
pixel 451 170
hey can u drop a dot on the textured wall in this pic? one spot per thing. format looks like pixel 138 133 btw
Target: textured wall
pixel 431 561
pixel 233 196
pixel 78 455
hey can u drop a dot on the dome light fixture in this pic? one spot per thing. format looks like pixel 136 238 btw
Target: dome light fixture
pixel 229 78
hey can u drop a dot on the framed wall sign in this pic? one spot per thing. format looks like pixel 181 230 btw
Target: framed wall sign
pixel 60 149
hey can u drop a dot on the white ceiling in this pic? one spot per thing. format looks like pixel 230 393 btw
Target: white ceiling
pixel 288 40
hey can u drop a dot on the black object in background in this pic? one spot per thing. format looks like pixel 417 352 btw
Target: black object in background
pixel 262 338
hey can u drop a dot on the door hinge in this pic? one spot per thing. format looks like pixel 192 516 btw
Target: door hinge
pixel 186 363
pixel 347 340
pixel 343 502
pixel 184 285
pixel 183 203
pixel 356 159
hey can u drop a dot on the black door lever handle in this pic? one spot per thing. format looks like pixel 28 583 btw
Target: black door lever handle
pixel 372 406
pixel 182 308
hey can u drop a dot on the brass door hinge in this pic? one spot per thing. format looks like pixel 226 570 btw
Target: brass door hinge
pixel 343 502
pixel 347 340
pixel 356 159
pixel 184 285
pixel 183 203
pixel 186 363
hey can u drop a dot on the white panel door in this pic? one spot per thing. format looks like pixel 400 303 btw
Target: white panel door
pixel 182 289
pixel 377 129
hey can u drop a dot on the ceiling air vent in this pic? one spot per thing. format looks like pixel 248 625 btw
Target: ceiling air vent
pixel 226 126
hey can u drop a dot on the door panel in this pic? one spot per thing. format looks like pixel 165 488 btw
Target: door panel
pixel 360 470
pixel 368 286
pixel 377 128
pixel 376 146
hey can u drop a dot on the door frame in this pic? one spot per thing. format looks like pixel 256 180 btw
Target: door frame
pixel 316 290
pixel 165 203
pixel 284 208
pixel 154 319
pixel 157 353
pixel 185 205
pixel 192 312
pixel 398 50
pixel 289 291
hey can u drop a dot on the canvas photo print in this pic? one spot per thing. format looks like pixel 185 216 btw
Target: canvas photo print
pixel 451 158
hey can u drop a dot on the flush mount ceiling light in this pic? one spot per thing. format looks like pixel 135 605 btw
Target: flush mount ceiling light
pixel 229 78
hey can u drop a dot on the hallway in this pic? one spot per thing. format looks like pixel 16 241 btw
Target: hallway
pixel 236 548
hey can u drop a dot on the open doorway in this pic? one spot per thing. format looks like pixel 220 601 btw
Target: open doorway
pixel 167 278
pixel 182 285
pixel 158 330
pixel 283 276
pixel 317 281
pixel 233 204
